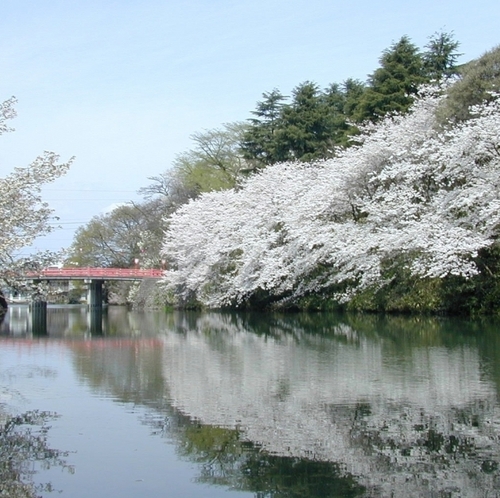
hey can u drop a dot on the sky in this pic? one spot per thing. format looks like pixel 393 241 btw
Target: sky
pixel 123 84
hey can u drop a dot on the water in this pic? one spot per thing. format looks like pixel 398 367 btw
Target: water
pixel 261 405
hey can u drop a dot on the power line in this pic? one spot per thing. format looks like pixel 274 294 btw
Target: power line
pixel 85 199
pixel 86 190
pixel 67 222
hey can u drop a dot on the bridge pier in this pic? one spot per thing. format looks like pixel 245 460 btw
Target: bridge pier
pixel 94 278
pixel 94 321
pixel 38 317
pixel 94 294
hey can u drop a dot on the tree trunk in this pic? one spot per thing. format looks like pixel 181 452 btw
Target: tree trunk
pixel 3 304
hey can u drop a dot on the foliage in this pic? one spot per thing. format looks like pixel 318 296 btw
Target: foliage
pixel 411 199
pixel 117 239
pixel 440 59
pixel 23 213
pixel 479 81
pixel 393 84
pixel 311 125
pixel 23 440
pixel 260 142
pixel 315 121
pixel 482 293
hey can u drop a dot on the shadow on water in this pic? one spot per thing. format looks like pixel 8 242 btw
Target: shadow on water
pixel 305 405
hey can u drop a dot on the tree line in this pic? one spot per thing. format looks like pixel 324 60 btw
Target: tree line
pixel 407 220
pixel 312 128
pixel 309 125
pixel 314 122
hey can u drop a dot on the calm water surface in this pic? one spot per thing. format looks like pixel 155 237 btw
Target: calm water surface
pixel 261 405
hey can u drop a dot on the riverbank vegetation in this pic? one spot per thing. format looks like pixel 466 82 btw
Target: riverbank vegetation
pixel 377 196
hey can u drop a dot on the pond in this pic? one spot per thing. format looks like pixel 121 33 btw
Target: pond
pixel 259 405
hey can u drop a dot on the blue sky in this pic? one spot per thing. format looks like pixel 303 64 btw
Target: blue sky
pixel 123 84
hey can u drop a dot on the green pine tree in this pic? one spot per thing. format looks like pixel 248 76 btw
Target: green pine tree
pixel 261 142
pixel 307 124
pixel 441 56
pixel 392 86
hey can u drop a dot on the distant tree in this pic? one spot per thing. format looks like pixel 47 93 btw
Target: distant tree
pixel 120 237
pixel 392 87
pixel 170 188
pixel 215 162
pixel 197 175
pixel 441 56
pixel 260 142
pixel 307 124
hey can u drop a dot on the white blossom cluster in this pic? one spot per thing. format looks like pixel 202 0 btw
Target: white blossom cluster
pixel 23 214
pixel 411 194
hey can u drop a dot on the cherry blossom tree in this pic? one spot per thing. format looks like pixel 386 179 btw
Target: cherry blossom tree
pixel 411 195
pixel 24 215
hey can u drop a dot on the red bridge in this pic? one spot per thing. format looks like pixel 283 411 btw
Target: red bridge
pixel 94 279
pixel 76 273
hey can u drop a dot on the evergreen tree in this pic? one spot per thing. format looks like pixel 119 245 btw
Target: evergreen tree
pixel 353 91
pixel 392 85
pixel 342 101
pixel 260 142
pixel 441 56
pixel 315 121
pixel 335 101
pixel 307 124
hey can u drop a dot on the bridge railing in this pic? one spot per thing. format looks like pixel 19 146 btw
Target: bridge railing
pixel 103 273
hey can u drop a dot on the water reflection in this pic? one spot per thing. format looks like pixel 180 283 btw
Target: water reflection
pixel 400 404
pixel 75 321
pixel 229 461
pixel 62 321
pixel 305 405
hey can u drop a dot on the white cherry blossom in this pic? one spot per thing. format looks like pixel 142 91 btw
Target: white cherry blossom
pixel 23 213
pixel 411 193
